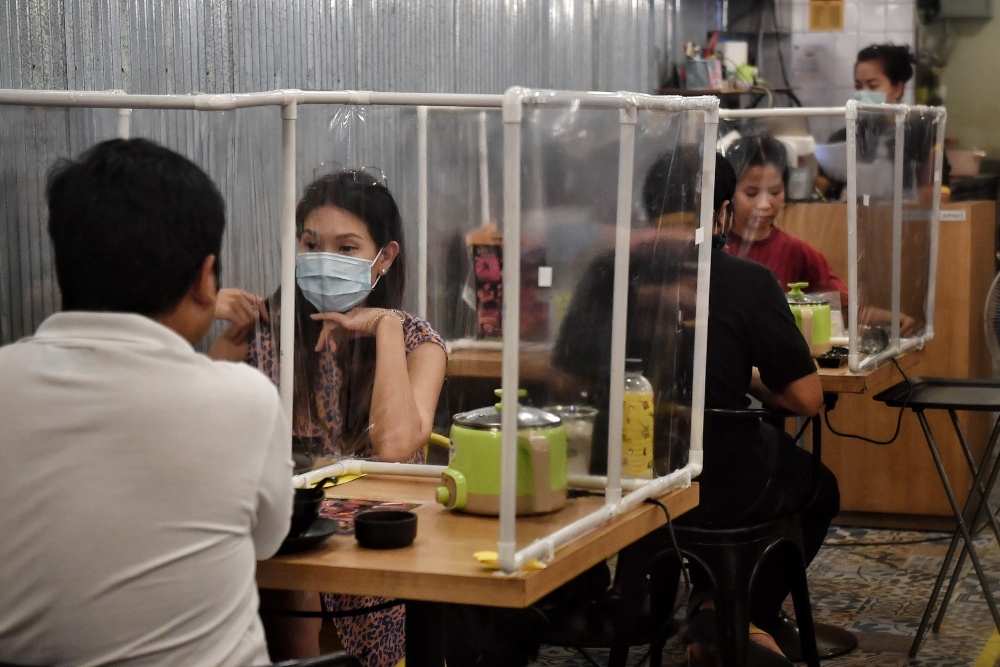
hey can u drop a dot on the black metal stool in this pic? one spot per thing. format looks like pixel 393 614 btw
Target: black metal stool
pixel 731 558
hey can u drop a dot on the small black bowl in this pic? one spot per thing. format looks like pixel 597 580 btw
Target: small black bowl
pixel 385 529
pixel 305 509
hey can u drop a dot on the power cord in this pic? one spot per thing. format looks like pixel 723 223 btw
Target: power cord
pixel 673 542
pixel 899 418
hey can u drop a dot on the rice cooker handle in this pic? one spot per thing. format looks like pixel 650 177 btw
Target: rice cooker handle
pixel 807 326
pixel 538 445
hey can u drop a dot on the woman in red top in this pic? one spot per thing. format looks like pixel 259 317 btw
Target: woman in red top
pixel 761 164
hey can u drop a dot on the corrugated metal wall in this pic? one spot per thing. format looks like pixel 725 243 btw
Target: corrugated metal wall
pixel 181 46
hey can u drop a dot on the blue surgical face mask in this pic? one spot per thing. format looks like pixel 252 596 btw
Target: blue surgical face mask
pixel 334 283
pixel 869 96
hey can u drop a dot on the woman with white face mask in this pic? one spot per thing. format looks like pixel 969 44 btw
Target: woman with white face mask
pixel 367 375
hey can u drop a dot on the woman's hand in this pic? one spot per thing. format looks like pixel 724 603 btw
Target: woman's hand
pixel 355 322
pixel 238 307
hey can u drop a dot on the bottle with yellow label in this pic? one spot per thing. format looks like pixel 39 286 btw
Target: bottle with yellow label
pixel 637 423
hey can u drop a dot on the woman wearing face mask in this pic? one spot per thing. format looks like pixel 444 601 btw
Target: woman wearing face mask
pixel 761 164
pixel 880 75
pixel 884 68
pixel 367 375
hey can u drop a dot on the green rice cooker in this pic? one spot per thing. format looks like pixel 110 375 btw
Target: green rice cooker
pixel 812 317
pixel 471 482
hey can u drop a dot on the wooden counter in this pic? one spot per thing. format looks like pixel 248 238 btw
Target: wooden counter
pixel 439 566
pixel 901 478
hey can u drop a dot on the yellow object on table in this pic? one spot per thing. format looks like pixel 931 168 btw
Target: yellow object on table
pixel 490 559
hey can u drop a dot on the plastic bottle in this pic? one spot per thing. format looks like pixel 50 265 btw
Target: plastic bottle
pixel 637 422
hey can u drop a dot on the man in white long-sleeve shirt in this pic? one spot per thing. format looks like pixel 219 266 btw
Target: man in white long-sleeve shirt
pixel 139 480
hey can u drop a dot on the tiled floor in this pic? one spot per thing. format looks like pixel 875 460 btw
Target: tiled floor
pixel 875 583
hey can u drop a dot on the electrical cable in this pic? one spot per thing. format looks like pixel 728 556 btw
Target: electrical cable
pixel 899 418
pixel 673 542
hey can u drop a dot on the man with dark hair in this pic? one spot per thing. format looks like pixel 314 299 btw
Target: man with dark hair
pixel 140 480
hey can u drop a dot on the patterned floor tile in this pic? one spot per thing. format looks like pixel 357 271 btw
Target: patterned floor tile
pixel 875 583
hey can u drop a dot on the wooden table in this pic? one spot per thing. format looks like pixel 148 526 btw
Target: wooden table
pixel 843 381
pixel 485 363
pixel 439 567
pixel 899 485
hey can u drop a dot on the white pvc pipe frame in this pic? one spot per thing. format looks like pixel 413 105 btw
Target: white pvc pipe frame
pixel 896 346
pixel 512 103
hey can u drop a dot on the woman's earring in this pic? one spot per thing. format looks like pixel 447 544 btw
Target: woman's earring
pixel 383 271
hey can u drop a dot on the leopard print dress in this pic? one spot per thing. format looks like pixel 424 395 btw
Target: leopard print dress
pixel 376 639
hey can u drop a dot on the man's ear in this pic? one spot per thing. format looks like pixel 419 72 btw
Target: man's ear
pixel 205 287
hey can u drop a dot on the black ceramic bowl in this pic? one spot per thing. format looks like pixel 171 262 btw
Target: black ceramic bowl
pixel 385 529
pixel 305 509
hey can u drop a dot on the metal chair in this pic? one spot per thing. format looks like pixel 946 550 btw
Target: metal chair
pixel 731 557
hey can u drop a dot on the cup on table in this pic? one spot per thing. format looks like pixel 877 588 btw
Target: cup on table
pixel 305 509
pixel 579 423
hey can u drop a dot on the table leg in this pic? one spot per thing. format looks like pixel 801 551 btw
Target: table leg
pixel 987 457
pixel 977 508
pixel 424 634
pixel 964 533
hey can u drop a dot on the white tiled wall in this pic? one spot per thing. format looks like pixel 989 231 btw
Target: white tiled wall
pixel 865 22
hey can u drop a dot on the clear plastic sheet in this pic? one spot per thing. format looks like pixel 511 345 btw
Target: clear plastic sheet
pixel 240 150
pixel 894 263
pixel 32 139
pixel 570 178
pixel 875 150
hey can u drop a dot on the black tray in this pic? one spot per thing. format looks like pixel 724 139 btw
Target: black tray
pixel 321 529
pixel 943 394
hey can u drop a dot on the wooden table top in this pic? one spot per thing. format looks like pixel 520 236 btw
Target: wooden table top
pixel 485 363
pixel 843 381
pixel 439 566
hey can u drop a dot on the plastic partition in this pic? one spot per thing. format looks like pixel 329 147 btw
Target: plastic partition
pixel 432 151
pixel 894 157
pixel 560 181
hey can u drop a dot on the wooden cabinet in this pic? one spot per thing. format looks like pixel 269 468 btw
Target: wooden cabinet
pixel 901 478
